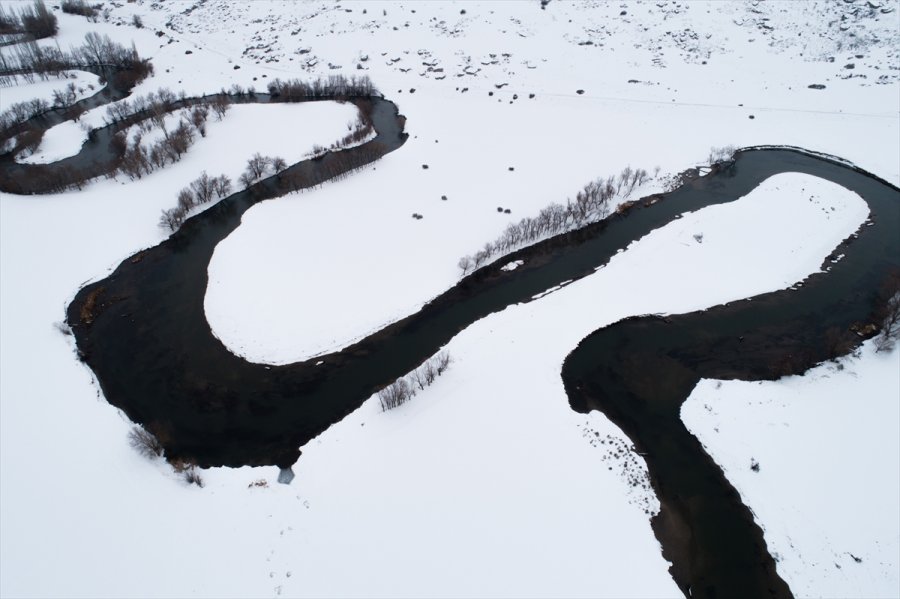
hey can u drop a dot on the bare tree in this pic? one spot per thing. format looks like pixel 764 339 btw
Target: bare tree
pixel 220 105
pixel 198 119
pixel 186 200
pixel 278 164
pixel 204 187
pixel 246 180
pixel 257 165
pixel 171 219
pixel 465 264
pixel 144 442
pixel 442 361
pixel 222 185
pixel 394 395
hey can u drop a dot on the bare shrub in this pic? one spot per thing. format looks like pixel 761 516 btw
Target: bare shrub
pixel 591 204
pixel 888 313
pixel 220 105
pixel 144 442
pixel 192 476
pixel 79 7
pixel 171 219
pixel 278 164
pixel 198 118
pixel 442 362
pixel 394 395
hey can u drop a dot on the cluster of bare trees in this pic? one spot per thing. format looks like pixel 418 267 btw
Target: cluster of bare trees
pixel 158 104
pixel 27 142
pixel 359 130
pixel 81 8
pixel 35 21
pixel 405 388
pixel 150 111
pixel 591 204
pixel 337 166
pixel 20 112
pixel 30 60
pixel 258 166
pixel 201 191
pixel 96 51
pixel 47 179
pixel 136 160
pixel 337 87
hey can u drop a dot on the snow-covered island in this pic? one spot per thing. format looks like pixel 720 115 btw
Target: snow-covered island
pixel 481 480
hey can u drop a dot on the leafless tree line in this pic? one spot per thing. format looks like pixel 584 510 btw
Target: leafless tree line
pixel 29 59
pixel 258 166
pixel 136 160
pixel 157 104
pixel 359 131
pixel 35 21
pixel 591 204
pixel 201 191
pixel 337 87
pixel 339 165
pixel 54 179
pixel 405 388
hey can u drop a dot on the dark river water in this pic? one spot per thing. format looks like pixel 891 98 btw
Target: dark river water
pixel 143 331
pixel 639 372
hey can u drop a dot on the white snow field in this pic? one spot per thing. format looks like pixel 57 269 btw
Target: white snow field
pixel 487 483
pixel 826 446
pixel 86 84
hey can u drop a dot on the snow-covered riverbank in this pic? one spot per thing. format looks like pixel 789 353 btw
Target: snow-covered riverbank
pixel 486 483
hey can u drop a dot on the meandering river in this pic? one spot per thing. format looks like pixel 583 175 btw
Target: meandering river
pixel 144 333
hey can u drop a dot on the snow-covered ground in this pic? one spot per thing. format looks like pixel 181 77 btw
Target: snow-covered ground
pixel 86 84
pixel 486 483
pixel 828 482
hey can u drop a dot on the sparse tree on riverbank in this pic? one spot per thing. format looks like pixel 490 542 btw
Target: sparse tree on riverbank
pixel 144 442
pixel 591 204
pixel 404 388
